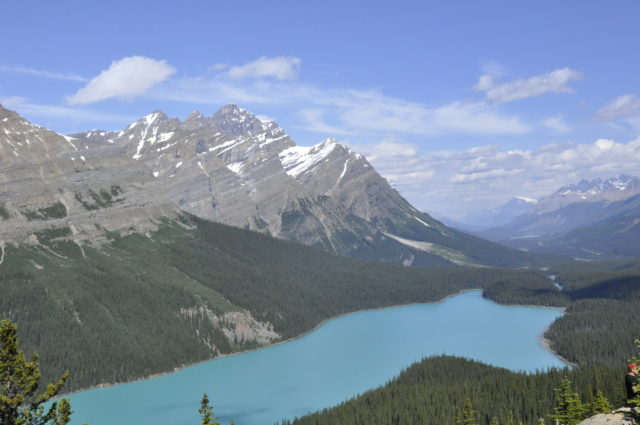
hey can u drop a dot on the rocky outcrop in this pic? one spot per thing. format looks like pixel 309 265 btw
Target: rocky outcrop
pixel 239 327
pixel 51 181
pixel 617 418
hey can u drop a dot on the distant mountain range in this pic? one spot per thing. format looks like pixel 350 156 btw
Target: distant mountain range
pixel 233 168
pixel 592 219
pixel 488 218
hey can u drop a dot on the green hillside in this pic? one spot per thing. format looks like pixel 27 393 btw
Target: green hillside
pixel 430 392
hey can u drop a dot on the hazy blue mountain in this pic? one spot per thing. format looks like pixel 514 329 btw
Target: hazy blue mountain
pixel 591 219
pixel 488 218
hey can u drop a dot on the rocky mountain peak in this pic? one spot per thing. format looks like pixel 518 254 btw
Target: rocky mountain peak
pixel 598 185
pixel 194 115
pixel 154 118
pixel 237 122
pixel 195 121
pixel 6 113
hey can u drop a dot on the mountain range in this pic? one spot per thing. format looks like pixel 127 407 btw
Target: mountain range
pixel 489 218
pixel 233 168
pixel 593 219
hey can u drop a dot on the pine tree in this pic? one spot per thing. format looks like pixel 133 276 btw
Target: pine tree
pixel 569 409
pixel 19 382
pixel 495 421
pixel 510 419
pixel 457 418
pixel 599 405
pixel 207 412
pixel 469 416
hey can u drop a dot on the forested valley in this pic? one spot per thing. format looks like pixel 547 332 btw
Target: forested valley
pixel 111 313
pixel 596 334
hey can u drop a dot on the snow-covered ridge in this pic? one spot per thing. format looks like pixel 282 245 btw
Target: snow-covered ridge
pixel 298 160
pixel 593 187
pixel 527 200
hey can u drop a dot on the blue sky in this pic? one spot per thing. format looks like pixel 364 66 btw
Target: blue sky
pixel 460 104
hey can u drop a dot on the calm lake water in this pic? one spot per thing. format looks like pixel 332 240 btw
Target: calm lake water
pixel 343 358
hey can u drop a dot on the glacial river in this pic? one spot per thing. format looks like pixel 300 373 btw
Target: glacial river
pixel 343 358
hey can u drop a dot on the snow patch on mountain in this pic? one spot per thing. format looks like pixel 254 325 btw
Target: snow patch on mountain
pixel 527 200
pixel 445 252
pixel 298 160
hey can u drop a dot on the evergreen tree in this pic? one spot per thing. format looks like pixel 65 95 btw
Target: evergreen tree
pixel 469 416
pixel 457 418
pixel 207 412
pixel 19 382
pixel 569 409
pixel 510 419
pixel 599 405
pixel 495 421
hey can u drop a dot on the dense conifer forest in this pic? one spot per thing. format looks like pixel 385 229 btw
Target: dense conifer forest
pixel 432 391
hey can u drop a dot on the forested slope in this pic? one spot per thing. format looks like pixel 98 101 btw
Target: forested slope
pixel 602 301
pixel 430 392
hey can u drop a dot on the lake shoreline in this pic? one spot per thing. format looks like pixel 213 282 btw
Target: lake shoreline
pixel 542 341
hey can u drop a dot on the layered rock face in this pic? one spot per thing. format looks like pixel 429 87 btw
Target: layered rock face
pixel 232 167
pixel 51 180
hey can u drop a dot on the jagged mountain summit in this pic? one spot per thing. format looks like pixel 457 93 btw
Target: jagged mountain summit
pixel 231 167
pixel 590 191
pixel 591 219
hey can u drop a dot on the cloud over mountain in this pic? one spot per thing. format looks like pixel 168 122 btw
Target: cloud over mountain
pixel 124 79
pixel 280 68
pixel 451 182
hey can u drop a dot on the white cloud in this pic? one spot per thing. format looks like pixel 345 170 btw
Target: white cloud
pixel 341 111
pixel 41 73
pixel 29 109
pixel 125 79
pixel 377 112
pixel 552 82
pixel 622 106
pixel 456 182
pixel 392 148
pixel 557 124
pixel 219 66
pixel 314 120
pixel 493 68
pixel 280 68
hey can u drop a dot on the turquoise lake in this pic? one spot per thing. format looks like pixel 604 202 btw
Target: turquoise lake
pixel 343 358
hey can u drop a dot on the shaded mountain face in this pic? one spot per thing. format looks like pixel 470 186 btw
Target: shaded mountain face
pixel 591 219
pixel 233 168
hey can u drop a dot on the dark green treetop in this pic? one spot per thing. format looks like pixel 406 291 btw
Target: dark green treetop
pixel 19 381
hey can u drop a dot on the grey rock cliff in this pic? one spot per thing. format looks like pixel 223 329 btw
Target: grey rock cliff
pixel 232 167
